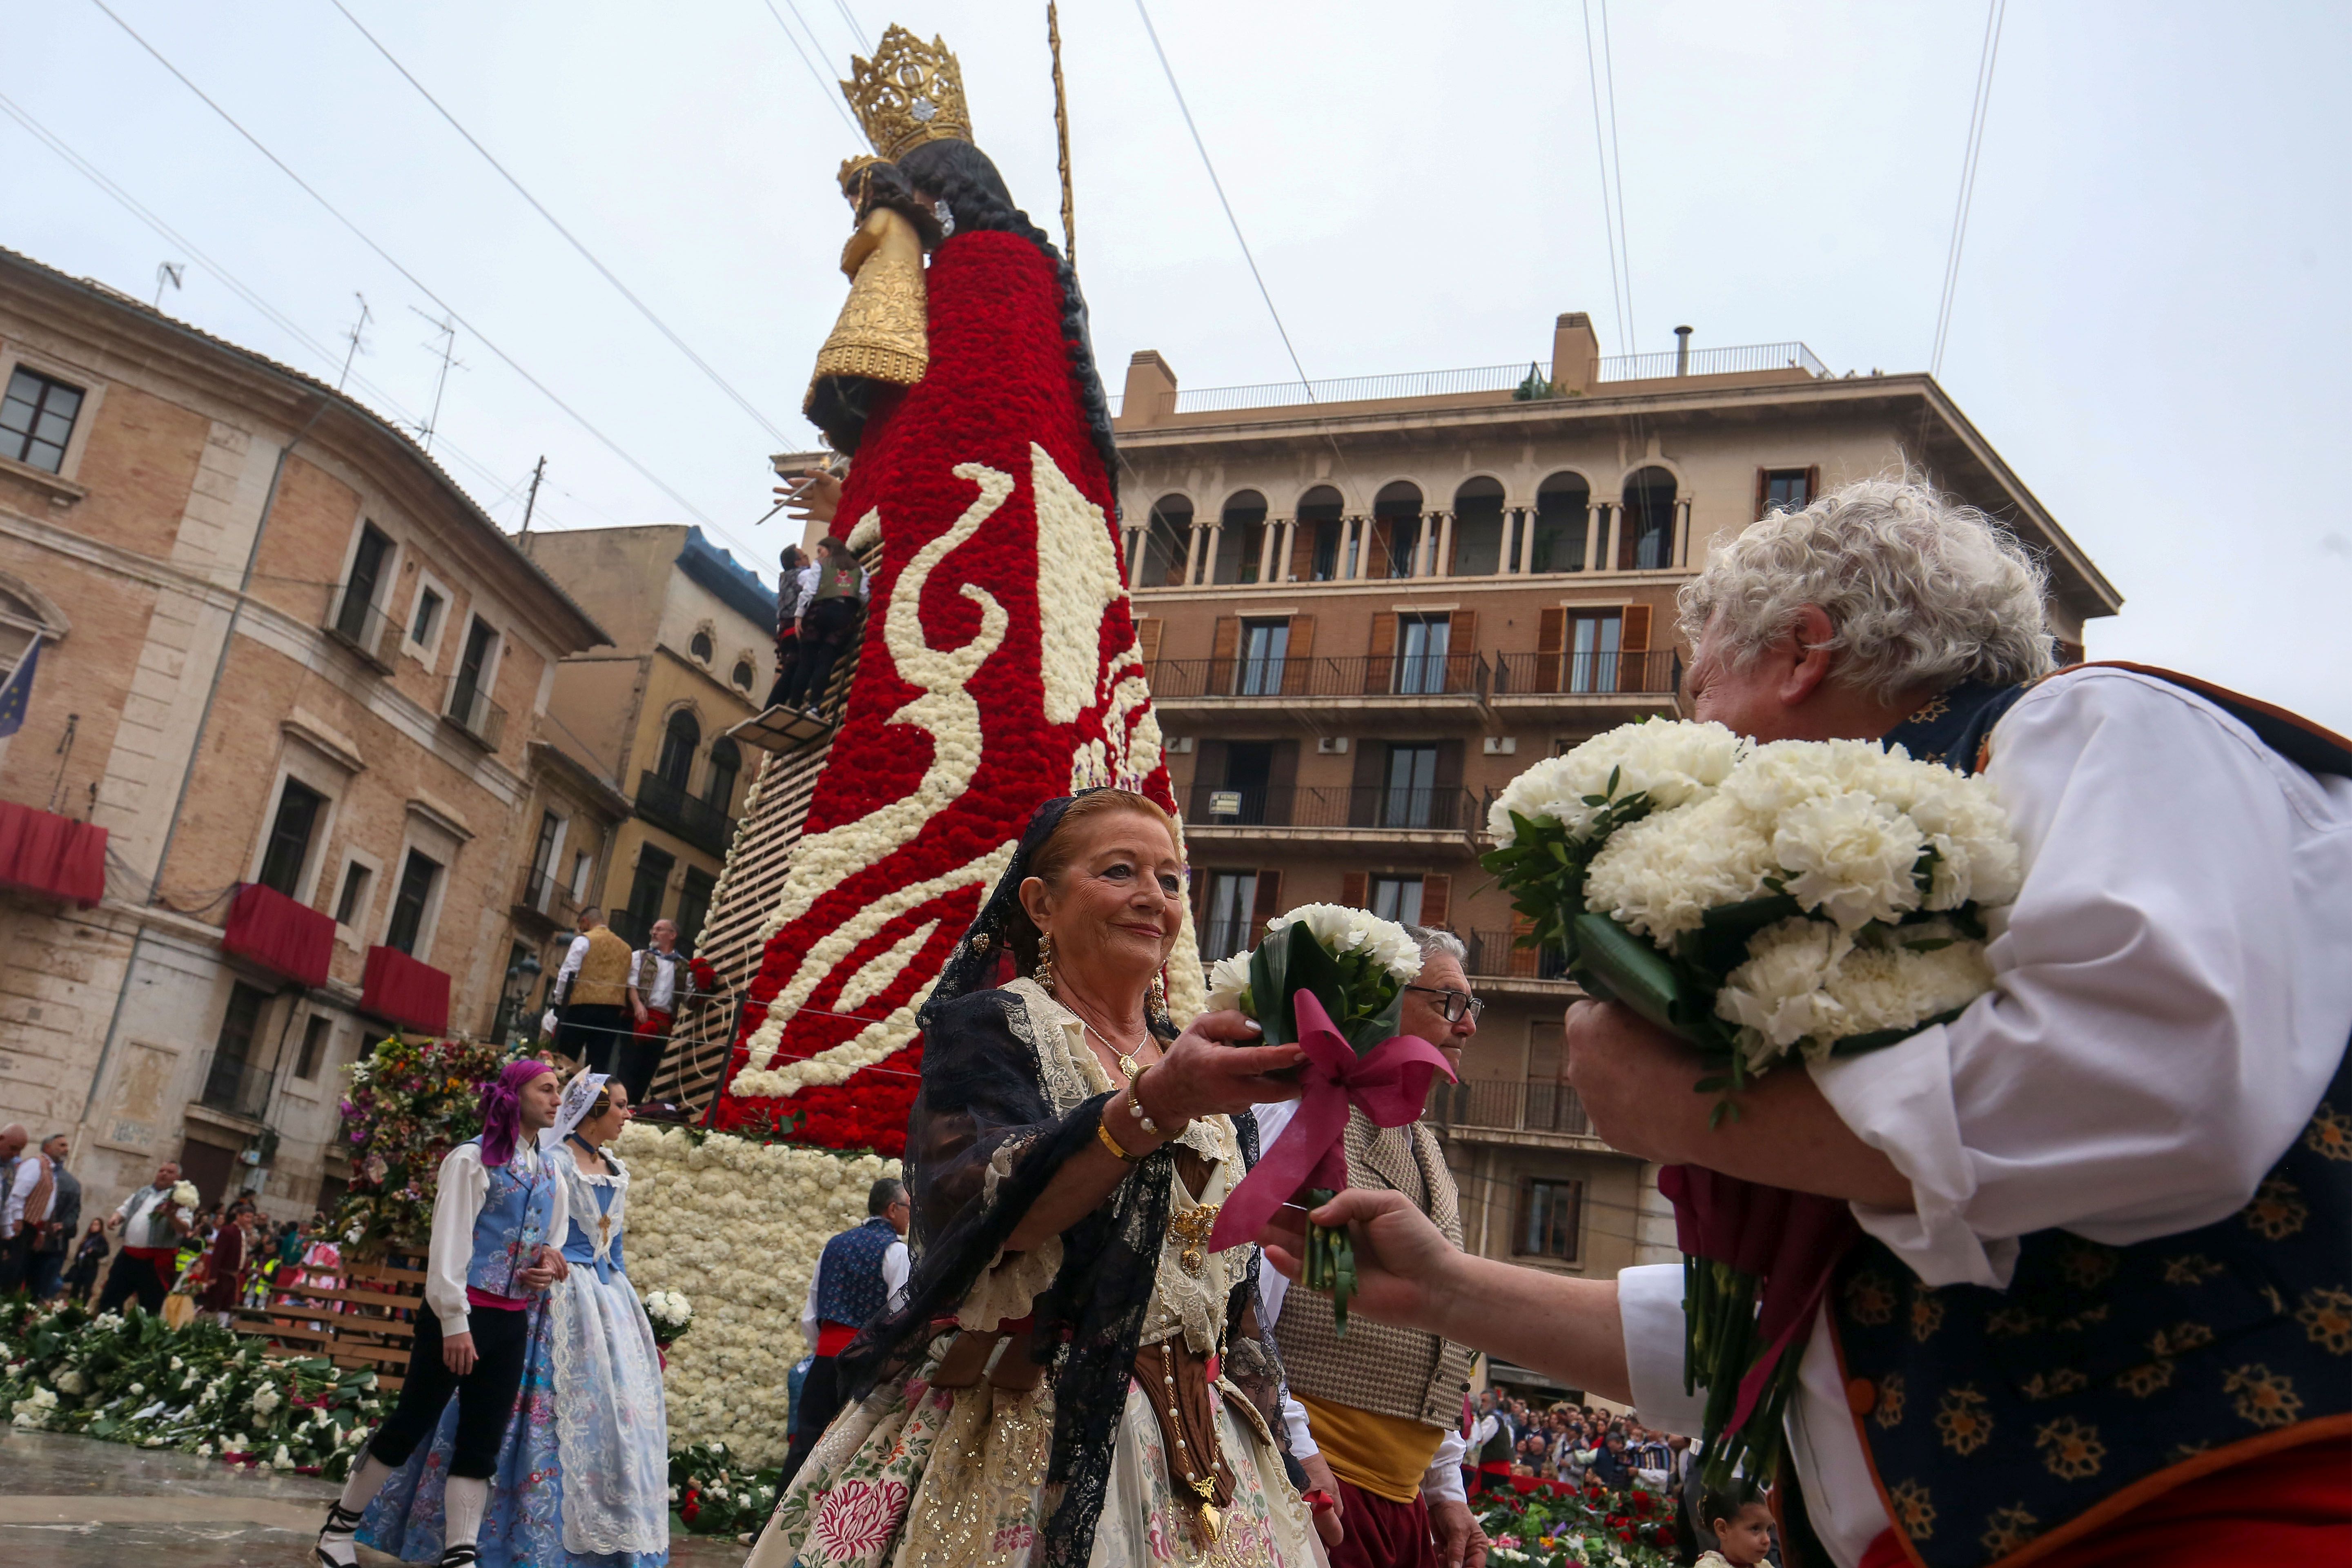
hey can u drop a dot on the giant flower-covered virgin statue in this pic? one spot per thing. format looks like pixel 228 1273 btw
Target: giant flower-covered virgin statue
pixel 999 664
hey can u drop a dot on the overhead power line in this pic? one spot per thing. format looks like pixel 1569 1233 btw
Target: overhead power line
pixel 1988 56
pixel 417 283
pixel 586 255
pixel 1617 167
pixel 855 30
pixel 1617 296
pixel 826 88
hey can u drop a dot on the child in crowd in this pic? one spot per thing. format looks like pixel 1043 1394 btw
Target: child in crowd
pixel 1742 1526
pixel 498 1207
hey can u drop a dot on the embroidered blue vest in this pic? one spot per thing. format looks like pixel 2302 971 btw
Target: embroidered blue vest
pixel 849 1288
pixel 1997 1421
pixel 513 1223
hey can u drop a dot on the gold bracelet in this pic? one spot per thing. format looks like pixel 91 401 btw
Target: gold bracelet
pixel 1102 1131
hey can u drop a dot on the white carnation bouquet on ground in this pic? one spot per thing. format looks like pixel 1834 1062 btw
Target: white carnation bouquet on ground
pixel 1818 896
pixel 1330 979
pixel 671 1313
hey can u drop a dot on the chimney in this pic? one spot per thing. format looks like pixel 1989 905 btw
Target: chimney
pixel 1682 351
pixel 1575 353
pixel 1151 390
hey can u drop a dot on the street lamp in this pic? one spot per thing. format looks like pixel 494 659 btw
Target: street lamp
pixel 521 975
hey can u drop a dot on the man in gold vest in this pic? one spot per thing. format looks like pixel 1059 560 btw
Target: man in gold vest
pixel 592 994
pixel 1376 1418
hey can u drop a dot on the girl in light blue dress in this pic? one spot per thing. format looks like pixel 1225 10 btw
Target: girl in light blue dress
pixel 584 1475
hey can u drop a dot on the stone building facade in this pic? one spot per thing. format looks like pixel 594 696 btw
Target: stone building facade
pixel 288 681
pixel 1369 608
pixel 694 655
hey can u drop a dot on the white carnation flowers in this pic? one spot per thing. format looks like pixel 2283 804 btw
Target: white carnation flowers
pixel 1809 895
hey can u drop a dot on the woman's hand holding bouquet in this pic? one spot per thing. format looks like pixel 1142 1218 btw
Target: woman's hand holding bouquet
pixel 1331 980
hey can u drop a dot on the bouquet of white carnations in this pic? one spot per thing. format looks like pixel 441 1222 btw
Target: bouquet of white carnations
pixel 1818 896
pixel 184 1194
pixel 1332 980
pixel 671 1313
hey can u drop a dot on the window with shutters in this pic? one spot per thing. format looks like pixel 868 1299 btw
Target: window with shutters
pixel 1408 794
pixel 1785 489
pixel 427 618
pixel 1232 901
pixel 1592 653
pixel 1397 899
pixel 1563 506
pixel 635 923
pixel 411 901
pixel 352 899
pixel 318 1031
pixel 353 615
pixel 1265 648
pixel 1421 645
pixel 1645 538
pixel 681 737
pixel 1549 1219
pixel 726 764
pixel 37 419
pixel 288 853
pixel 469 692
pixel 693 906
pixel 1241 538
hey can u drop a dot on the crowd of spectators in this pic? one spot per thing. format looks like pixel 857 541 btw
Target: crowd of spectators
pixel 1567 1443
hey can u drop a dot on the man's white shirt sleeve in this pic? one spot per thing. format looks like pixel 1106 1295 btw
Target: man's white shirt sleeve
pixel 458 1194
pixel 895 1269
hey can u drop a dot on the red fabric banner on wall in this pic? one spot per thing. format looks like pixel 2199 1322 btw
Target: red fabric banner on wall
pixel 401 990
pixel 274 932
pixel 45 853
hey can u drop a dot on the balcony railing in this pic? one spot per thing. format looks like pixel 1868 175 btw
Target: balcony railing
pixel 1507 1105
pixel 1655 673
pixel 1745 360
pixel 236 1085
pixel 366 631
pixel 1370 675
pixel 1371 807
pixel 696 820
pixel 469 708
pixel 1497 955
pixel 543 896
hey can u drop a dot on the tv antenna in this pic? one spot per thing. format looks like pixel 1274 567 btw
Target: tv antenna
pixel 446 327
pixel 168 273
pixel 354 337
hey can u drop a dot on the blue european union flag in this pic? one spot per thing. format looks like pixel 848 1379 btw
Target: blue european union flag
pixel 19 691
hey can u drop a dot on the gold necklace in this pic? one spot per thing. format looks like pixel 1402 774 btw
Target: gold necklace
pixel 1127 1063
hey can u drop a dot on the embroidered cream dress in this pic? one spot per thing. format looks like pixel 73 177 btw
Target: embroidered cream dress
pixel 921 1475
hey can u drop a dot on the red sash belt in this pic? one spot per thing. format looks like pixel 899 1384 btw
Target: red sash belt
pixel 832 1338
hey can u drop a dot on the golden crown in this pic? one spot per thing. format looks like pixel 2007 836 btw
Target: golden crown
pixel 910 92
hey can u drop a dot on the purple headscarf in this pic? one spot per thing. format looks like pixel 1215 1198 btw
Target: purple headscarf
pixel 502 1110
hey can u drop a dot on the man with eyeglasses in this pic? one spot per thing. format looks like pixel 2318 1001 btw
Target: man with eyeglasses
pixel 1376 1421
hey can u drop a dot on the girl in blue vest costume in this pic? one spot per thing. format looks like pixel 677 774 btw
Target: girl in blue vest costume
pixel 583 1476
pixel 498 1201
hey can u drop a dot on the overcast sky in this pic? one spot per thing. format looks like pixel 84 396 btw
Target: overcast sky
pixel 2152 321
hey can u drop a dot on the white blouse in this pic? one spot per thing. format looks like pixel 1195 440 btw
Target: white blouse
pixel 2170 1001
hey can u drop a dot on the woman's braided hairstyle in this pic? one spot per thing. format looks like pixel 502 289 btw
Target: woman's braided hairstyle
pixel 961 178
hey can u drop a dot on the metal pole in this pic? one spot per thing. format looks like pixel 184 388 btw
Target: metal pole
pixel 531 501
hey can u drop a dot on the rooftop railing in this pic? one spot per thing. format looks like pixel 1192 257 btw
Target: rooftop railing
pixel 1742 361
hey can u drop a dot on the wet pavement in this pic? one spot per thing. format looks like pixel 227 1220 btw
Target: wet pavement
pixel 76 1502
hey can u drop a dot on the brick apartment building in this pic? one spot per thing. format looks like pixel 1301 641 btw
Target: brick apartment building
pixel 281 730
pixel 1368 609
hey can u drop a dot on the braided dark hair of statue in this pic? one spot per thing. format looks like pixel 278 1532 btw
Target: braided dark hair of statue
pixel 962 176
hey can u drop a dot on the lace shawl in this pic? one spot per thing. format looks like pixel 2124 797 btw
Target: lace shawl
pixel 1001 1106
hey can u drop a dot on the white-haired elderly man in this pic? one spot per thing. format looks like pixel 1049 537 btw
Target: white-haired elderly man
pixel 1376 1418
pixel 2102 1306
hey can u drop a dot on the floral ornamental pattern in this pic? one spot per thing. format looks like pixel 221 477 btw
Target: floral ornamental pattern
pixel 2329 1134
pixel 2325 1315
pixel 2262 1396
pixel 2190 1268
pixel 2007 1529
pixel 1964 1421
pixel 1926 1313
pixel 1912 1509
pixel 2087 1266
pixel 1871 1299
pixel 2050 1384
pixel 1888 1411
pixel 2147 1379
pixel 2011 1323
pixel 2278 1211
pixel 2070 1449
pixel 2180 1338
pixel 855 1519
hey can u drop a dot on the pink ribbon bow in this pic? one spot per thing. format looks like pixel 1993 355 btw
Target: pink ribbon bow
pixel 1390 1083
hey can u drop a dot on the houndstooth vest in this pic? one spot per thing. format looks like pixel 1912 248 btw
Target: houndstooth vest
pixel 1400 1373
